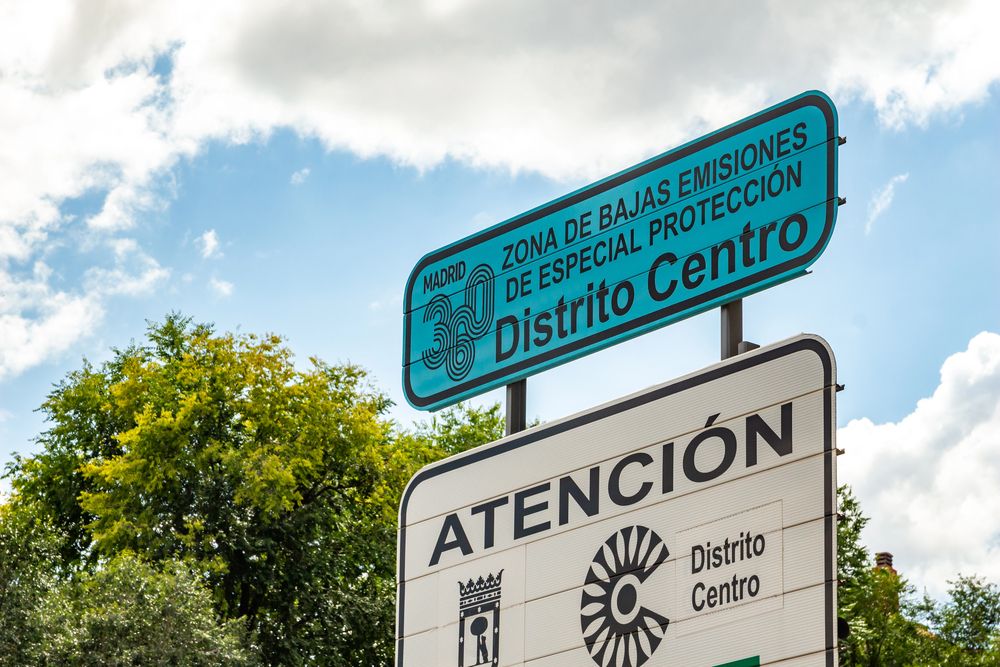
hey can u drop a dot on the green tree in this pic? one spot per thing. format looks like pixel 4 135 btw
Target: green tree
pixel 964 627
pixel 129 613
pixel 971 615
pixel 883 632
pixel 875 602
pixel 28 569
pixel 278 485
pixel 889 628
pixel 854 562
pixel 462 427
pixel 275 483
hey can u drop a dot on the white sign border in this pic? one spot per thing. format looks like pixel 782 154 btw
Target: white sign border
pixel 803 342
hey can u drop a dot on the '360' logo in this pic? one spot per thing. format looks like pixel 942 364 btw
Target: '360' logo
pixel 456 328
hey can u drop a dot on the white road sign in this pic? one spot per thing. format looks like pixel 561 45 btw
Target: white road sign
pixel 693 523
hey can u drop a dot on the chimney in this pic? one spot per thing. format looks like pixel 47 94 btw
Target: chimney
pixel 883 559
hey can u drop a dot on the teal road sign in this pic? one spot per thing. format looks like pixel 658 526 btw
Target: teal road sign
pixel 724 216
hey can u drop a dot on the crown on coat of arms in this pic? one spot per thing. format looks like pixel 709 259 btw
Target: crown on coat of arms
pixel 480 591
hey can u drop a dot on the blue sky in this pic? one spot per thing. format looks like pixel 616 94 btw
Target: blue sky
pixel 289 184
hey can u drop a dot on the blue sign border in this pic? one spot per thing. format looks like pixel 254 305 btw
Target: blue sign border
pixel 634 327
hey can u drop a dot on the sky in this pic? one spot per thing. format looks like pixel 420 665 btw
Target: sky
pixel 280 167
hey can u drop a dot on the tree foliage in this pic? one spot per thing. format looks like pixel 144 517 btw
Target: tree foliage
pixel 889 627
pixel 130 613
pixel 28 558
pixel 462 427
pixel 971 615
pixel 277 485
pixel 199 499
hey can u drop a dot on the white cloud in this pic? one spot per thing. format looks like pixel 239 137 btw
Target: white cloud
pixel 569 89
pixel 517 85
pixel 38 322
pixel 929 481
pixel 882 200
pixel 221 288
pixel 133 272
pixel 511 84
pixel 208 244
pixel 299 177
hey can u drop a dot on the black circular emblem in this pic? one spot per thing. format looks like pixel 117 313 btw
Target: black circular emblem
pixel 619 632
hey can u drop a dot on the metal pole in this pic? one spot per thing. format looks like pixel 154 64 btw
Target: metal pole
pixel 517 406
pixel 732 328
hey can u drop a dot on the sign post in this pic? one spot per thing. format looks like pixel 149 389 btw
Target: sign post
pixel 706 224
pixel 517 407
pixel 732 328
pixel 690 524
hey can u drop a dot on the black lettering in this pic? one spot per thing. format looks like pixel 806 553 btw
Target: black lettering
pixel 669 224
pixel 693 266
pixel 781 444
pixel 663 188
pixel 604 216
pixel 451 525
pixel 767 149
pixel 588 503
pixel 560 324
pixel 765 231
pixel 684 181
pixel 799 133
pixel 783 142
pixel 488 510
pixel 747 251
pixel 522 511
pixel 667 480
pixel 783 232
pixel 776 175
pixel 725 166
pixel 701 176
pixel 654 292
pixel 697 556
pixel 695 604
pixel 508 321
pixel 730 249
pixel 507 264
pixel 543 329
pixel 615 480
pixel 617 307
pixel 793 173
pixel 728 439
